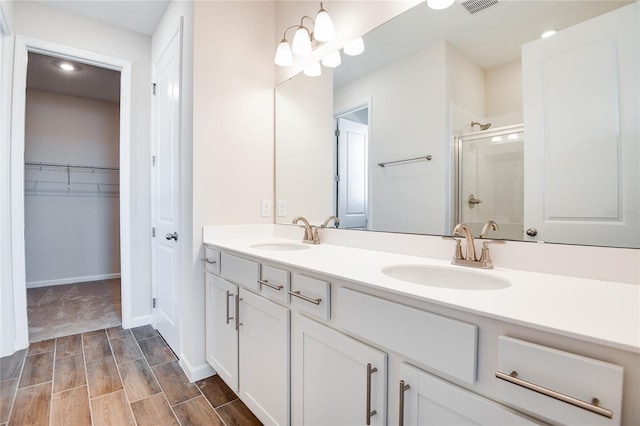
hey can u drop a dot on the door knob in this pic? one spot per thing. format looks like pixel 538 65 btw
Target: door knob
pixel 532 232
pixel 173 236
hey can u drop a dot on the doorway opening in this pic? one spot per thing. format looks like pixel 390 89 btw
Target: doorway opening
pixel 352 169
pixel 71 197
pixel 23 47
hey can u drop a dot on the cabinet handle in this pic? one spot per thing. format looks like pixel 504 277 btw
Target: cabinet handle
pixel 403 389
pixel 228 296
pixel 370 371
pixel 273 286
pixel 238 323
pixel 305 298
pixel 210 261
pixel 593 406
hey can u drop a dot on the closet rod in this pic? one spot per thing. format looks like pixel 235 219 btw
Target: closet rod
pixel 72 166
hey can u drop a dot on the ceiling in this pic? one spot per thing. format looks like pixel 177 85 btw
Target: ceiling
pixel 489 38
pixel 141 16
pixel 87 81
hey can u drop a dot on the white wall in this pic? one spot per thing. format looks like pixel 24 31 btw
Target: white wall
pixel 466 84
pixel 7 327
pixel 408 119
pixel 305 147
pixel 503 85
pixel 233 131
pixel 71 236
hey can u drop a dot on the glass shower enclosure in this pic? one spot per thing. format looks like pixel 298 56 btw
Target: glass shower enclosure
pixel 490 181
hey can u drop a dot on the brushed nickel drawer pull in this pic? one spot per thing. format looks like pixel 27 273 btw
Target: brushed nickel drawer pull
pixel 305 298
pixel 210 261
pixel 370 413
pixel 403 389
pixel 273 286
pixel 228 296
pixel 593 406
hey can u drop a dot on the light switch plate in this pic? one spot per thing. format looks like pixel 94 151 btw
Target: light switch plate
pixel 266 208
pixel 282 208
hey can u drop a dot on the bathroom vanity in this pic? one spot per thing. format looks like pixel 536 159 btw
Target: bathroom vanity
pixel 327 334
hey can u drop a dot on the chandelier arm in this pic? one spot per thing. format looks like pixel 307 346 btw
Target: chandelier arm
pixel 284 35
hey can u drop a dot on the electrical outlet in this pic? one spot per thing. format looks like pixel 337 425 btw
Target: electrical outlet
pixel 282 208
pixel 266 208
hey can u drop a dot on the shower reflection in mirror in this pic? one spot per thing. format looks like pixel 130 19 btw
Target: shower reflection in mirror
pixel 490 180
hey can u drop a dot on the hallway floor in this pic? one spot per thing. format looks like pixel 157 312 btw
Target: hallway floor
pixel 111 377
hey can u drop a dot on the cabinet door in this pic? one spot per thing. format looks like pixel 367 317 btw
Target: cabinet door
pixel 221 334
pixel 264 358
pixel 336 379
pixel 427 400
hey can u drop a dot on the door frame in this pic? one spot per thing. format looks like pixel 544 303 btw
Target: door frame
pixel 24 45
pixel 339 113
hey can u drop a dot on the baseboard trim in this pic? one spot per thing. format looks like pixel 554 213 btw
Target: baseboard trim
pixel 195 373
pixel 72 280
pixel 139 321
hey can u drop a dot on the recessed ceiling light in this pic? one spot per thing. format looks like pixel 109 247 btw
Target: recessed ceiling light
pixel 548 34
pixel 66 66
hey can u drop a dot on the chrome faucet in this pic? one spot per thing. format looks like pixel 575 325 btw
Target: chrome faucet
pixel 336 221
pixel 471 250
pixel 485 261
pixel 310 233
pixel 489 225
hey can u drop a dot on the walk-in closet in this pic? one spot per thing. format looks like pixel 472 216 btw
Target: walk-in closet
pixel 71 197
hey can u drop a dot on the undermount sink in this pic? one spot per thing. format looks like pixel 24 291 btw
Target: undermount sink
pixel 280 246
pixel 443 277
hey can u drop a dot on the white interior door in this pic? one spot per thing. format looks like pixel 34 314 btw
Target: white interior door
pixel 352 171
pixel 166 245
pixel 580 90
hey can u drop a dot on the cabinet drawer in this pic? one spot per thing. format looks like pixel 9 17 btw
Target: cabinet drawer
pixel 274 283
pixel 439 342
pixel 559 386
pixel 311 295
pixel 211 260
pixel 240 271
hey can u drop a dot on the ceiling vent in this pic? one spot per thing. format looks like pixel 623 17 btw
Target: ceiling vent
pixel 475 6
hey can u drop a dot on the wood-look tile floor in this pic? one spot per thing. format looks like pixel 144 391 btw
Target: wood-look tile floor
pixel 111 377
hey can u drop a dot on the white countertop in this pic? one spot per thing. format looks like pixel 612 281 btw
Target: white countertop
pixel 602 312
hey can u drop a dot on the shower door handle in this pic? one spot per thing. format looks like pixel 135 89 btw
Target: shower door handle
pixel 472 201
pixel 173 236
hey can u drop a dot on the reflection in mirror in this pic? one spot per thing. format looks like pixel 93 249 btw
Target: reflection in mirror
pixel 426 76
pixel 491 163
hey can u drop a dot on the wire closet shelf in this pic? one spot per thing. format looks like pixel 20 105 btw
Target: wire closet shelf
pixel 70 179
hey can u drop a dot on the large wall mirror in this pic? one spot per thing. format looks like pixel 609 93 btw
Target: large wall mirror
pixel 466 115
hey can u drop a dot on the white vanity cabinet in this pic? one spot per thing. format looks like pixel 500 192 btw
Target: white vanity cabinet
pixel 247 337
pixel 305 348
pixel 221 330
pixel 426 400
pixel 264 358
pixel 335 379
